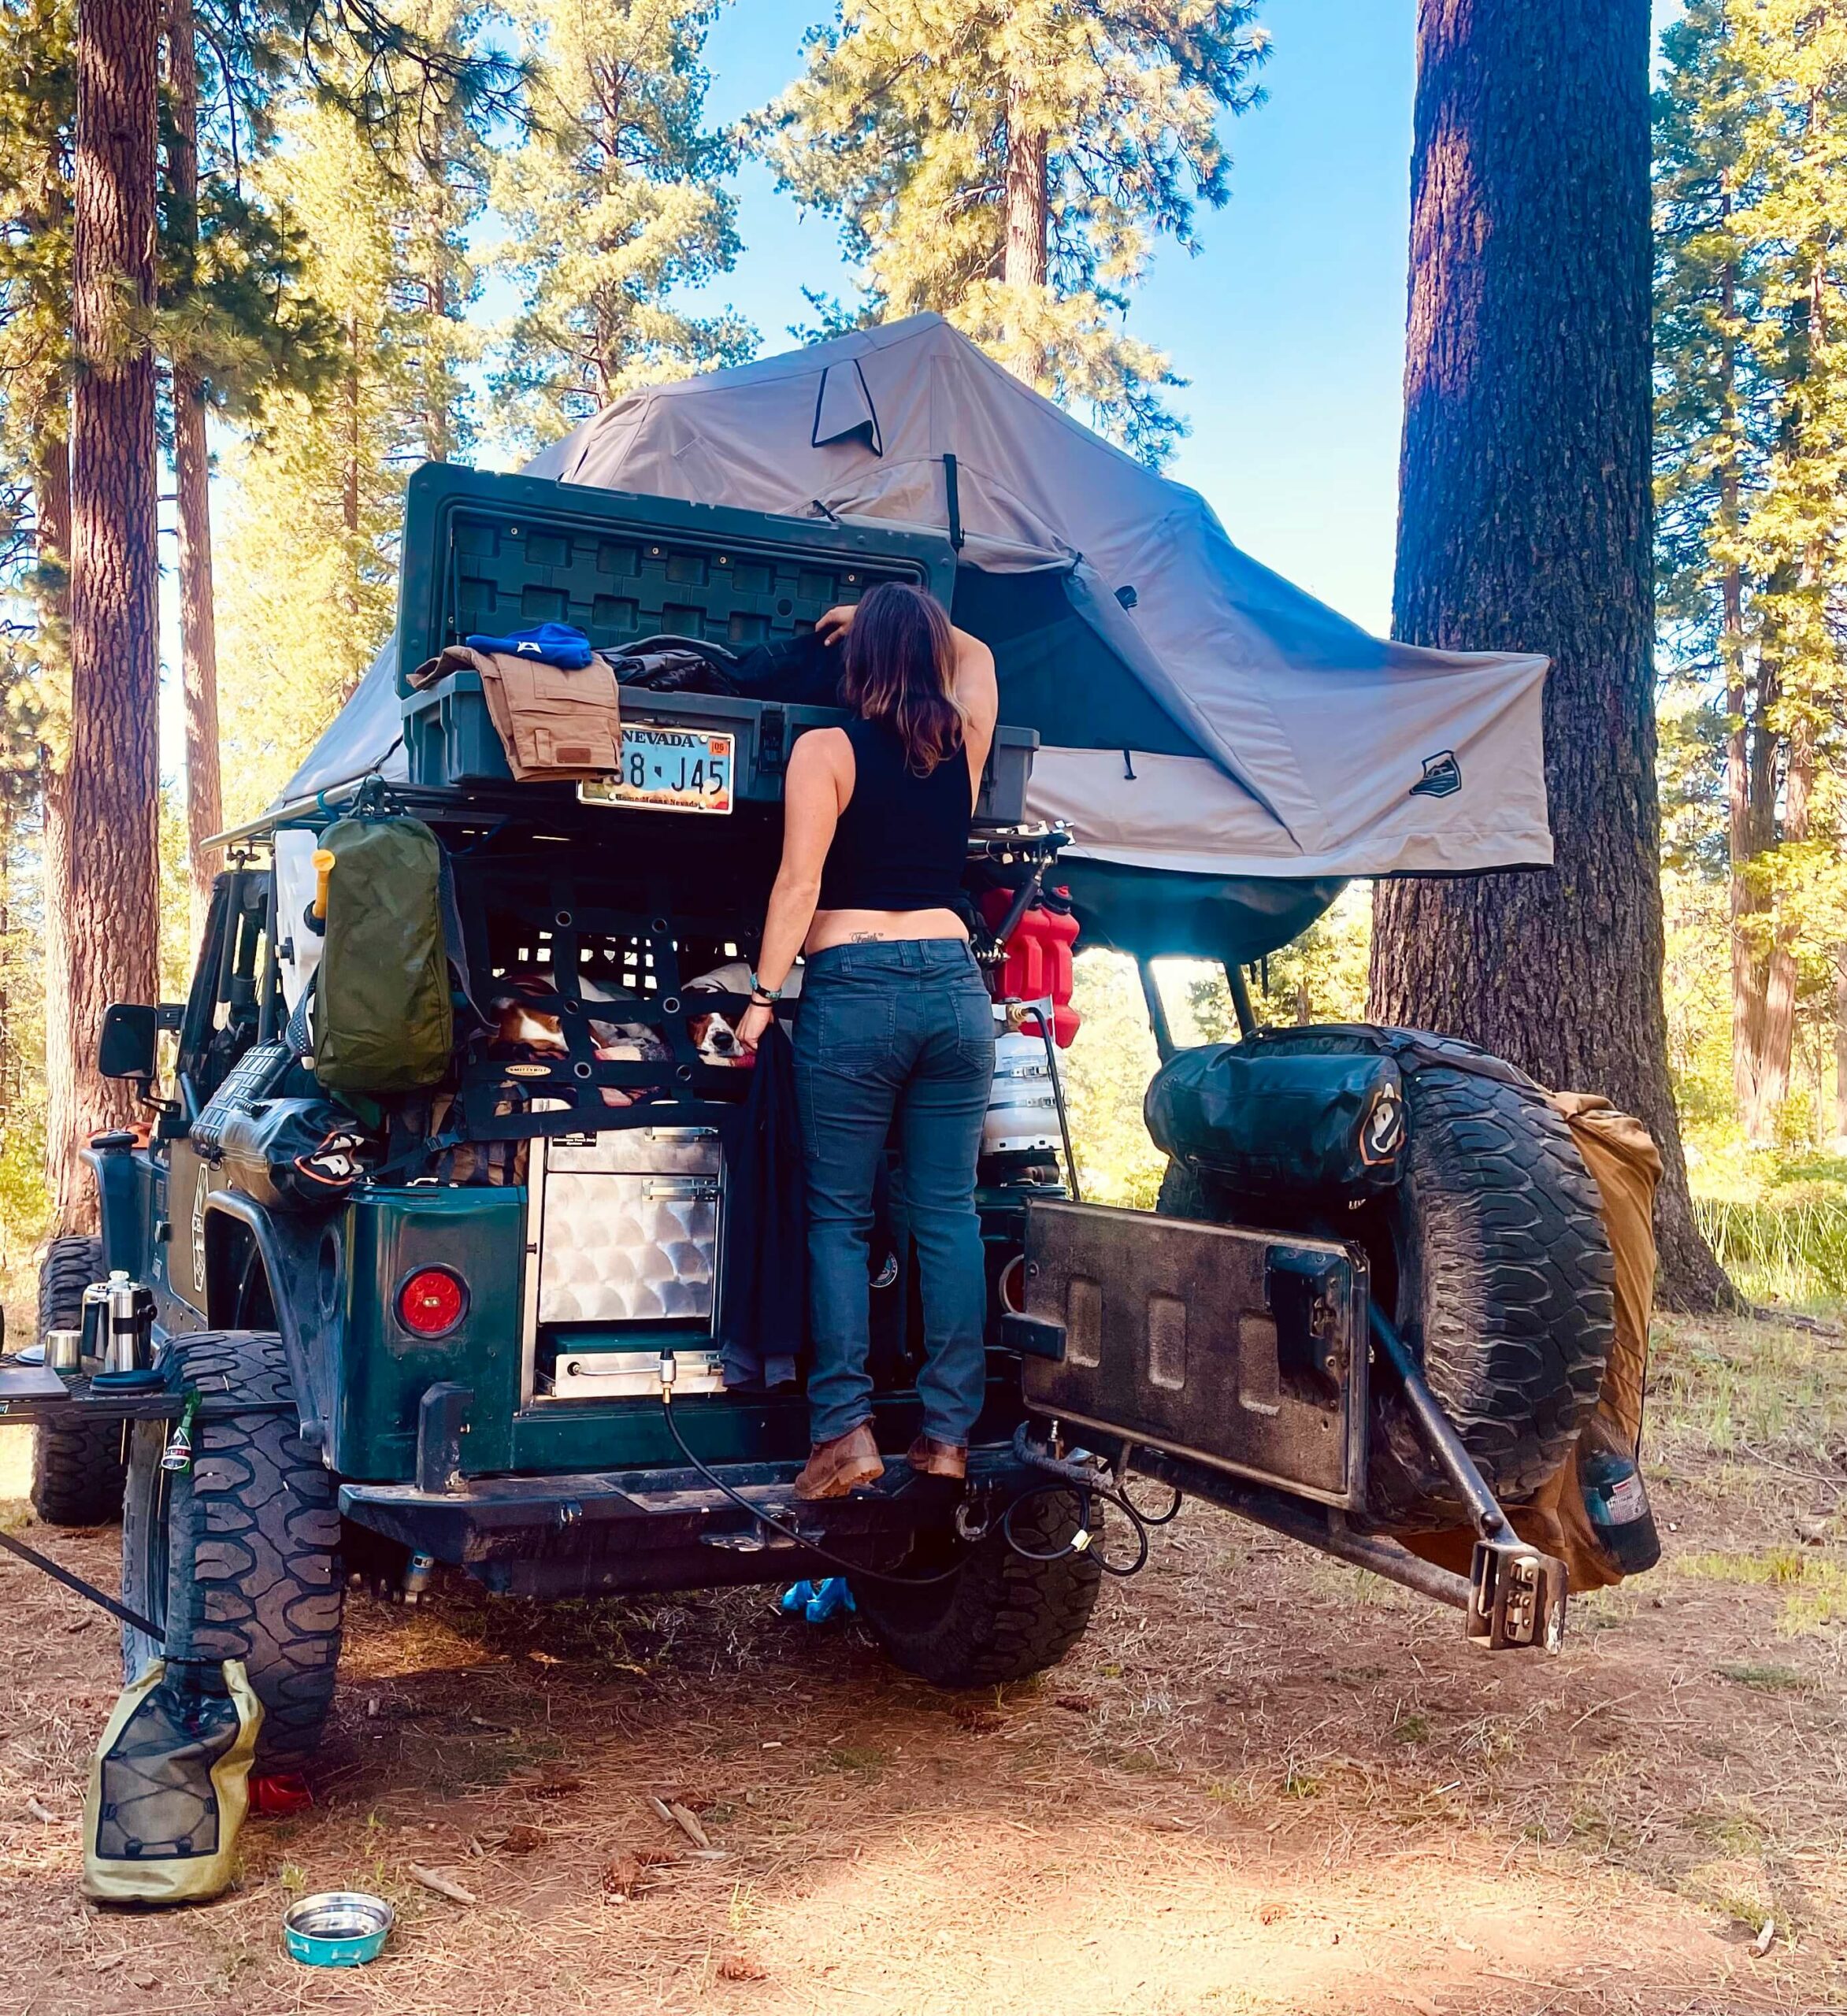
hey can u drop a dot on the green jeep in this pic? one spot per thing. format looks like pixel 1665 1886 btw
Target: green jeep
pixel 484 1326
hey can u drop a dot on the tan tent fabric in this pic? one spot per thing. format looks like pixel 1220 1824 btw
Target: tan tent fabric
pixel 1621 1155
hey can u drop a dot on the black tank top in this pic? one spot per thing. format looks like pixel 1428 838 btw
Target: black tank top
pixel 901 843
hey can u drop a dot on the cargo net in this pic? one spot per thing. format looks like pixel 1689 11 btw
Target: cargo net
pixel 156 1800
pixel 592 1018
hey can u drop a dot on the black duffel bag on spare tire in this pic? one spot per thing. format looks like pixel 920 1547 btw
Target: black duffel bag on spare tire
pixel 1489 1252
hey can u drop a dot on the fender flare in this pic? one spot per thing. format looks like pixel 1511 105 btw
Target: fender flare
pixel 289 1252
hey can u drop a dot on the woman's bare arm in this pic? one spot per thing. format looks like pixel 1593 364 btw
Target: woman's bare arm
pixel 812 792
pixel 978 694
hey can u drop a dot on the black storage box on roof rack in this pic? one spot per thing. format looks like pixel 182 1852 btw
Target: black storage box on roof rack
pixel 485 553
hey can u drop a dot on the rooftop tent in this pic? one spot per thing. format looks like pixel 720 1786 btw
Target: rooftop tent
pixel 1206 728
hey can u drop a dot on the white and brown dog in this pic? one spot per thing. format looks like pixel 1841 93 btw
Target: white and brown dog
pixel 712 1032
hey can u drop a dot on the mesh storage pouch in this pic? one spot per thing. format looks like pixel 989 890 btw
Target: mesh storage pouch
pixel 1281 1123
pixel 169 1785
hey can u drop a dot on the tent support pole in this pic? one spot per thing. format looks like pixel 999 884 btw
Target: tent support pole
pixel 1157 1009
pixel 1240 999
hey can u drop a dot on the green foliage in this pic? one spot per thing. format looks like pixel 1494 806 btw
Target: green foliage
pixel 922 125
pixel 611 202
pixel 308 558
pixel 1106 1072
pixel 1789 1248
pixel 1751 346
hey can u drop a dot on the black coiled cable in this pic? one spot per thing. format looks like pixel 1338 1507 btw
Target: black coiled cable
pixel 1077 1479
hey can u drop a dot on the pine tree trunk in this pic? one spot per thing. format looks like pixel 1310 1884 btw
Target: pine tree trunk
pixel 1525 524
pixel 1776 1053
pixel 198 628
pixel 1841 1042
pixel 73 1204
pixel 1024 254
pixel 1024 260
pixel 109 884
pixel 198 637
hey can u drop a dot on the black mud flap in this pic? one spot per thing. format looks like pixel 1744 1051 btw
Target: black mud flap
pixel 1243 1350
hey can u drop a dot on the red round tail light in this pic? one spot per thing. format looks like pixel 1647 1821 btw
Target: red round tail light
pixel 433 1301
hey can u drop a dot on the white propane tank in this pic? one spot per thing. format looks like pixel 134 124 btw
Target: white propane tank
pixel 1022 1111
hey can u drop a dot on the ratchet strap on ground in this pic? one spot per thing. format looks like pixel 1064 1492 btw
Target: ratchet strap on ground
pixel 33 1558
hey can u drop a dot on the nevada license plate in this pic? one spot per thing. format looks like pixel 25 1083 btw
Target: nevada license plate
pixel 670 769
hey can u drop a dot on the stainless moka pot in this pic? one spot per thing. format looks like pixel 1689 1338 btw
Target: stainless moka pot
pixel 131 1326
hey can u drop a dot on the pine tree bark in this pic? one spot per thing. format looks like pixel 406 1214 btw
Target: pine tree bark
pixel 1841 1042
pixel 1525 524
pixel 73 1205
pixel 1024 256
pixel 1025 249
pixel 198 629
pixel 109 887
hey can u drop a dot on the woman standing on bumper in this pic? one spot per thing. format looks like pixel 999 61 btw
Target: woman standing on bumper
pixel 896 1018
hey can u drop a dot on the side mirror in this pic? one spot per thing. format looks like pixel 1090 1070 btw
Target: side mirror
pixel 127 1047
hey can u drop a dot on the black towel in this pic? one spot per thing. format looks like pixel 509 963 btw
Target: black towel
pixel 763 1305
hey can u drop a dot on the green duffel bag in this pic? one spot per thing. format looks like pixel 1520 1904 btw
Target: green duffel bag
pixel 383 1019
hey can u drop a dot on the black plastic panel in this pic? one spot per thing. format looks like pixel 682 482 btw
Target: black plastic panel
pixel 1242 1349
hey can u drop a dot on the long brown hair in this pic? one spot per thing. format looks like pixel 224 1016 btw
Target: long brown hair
pixel 901 670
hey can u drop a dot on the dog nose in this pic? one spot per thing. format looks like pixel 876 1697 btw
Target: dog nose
pixel 724 1040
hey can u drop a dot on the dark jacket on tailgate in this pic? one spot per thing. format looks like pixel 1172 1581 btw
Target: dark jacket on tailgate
pixel 763 1310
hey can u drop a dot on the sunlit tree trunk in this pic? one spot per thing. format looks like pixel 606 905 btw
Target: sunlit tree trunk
pixel 1841 1042
pixel 1024 255
pixel 109 885
pixel 74 1205
pixel 1525 524
pixel 198 629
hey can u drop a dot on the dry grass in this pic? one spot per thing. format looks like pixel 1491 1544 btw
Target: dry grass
pixel 1264 1784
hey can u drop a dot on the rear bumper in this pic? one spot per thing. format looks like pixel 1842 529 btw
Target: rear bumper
pixel 606 1532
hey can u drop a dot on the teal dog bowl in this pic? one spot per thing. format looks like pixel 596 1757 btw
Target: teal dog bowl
pixel 336 1928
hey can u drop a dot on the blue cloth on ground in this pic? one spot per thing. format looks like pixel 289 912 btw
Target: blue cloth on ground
pixel 552 643
pixel 818 1602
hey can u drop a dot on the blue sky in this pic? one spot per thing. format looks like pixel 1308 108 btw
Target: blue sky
pixel 1290 323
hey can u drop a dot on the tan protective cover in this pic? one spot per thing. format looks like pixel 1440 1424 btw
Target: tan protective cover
pixel 180 1880
pixel 1622 1157
pixel 555 725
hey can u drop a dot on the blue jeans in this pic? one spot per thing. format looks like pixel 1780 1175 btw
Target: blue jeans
pixel 900 1029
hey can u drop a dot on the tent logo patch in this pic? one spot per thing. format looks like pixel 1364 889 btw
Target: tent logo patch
pixel 1442 776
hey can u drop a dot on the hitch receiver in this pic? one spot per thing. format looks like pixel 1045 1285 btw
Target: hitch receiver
pixel 1516 1596
pixel 1516 1593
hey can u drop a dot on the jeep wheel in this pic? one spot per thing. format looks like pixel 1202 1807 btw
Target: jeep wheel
pixel 1003 1618
pixel 1491 1254
pixel 238 1556
pixel 77 1467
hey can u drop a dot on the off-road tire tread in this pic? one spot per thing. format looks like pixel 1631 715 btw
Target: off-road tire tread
pixel 1005 1618
pixel 254 1568
pixel 78 1467
pixel 1515 1307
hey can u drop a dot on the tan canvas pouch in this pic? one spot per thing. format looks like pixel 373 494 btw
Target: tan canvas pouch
pixel 553 723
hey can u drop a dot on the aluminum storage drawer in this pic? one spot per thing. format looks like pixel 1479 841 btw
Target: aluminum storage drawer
pixel 626 1226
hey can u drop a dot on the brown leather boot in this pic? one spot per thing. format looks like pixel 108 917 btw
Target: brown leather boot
pixel 834 1468
pixel 931 1459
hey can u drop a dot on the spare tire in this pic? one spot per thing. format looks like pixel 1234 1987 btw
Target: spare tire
pixel 1491 1255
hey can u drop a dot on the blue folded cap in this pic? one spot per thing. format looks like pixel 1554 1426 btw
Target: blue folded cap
pixel 551 643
